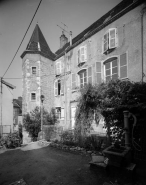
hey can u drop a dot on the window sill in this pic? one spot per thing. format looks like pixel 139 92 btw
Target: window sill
pixel 108 51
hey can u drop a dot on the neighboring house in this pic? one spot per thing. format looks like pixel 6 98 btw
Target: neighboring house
pixel 6 108
pixel 111 48
pixel 17 112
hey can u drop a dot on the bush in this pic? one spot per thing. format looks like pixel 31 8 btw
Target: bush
pixel 12 140
pixel 67 138
pixel 32 121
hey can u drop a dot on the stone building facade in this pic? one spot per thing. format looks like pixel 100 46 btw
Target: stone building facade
pixel 113 47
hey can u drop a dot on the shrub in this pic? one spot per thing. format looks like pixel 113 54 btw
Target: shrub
pixel 67 138
pixel 12 140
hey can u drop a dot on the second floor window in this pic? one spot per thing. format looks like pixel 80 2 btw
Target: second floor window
pixel 59 67
pixel 82 54
pixel 110 40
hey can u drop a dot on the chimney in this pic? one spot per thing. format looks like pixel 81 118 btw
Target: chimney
pixel 63 40
pixel 70 37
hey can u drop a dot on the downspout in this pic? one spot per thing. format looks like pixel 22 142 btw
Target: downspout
pixel 142 43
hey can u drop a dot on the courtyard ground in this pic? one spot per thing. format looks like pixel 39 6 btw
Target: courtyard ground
pixel 49 166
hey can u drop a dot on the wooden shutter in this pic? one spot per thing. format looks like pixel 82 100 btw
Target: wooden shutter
pixel 78 56
pixel 105 42
pixel 56 88
pixel 90 75
pixel 83 53
pixel 62 113
pixel 98 72
pixel 123 66
pixel 62 66
pixel 112 38
pixel 58 68
pixel 62 86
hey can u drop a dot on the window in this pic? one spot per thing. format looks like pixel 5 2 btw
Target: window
pixel 59 67
pixel 83 78
pixel 34 70
pixel 59 87
pixel 90 75
pixel 73 79
pixel 98 72
pixel 60 113
pixel 82 54
pixel 116 67
pixel 110 40
pixel 33 96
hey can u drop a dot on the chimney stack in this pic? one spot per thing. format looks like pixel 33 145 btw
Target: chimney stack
pixel 63 40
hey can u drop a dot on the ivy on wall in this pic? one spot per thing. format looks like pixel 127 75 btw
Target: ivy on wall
pixel 110 100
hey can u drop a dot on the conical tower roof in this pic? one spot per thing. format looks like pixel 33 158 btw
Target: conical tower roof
pixel 38 44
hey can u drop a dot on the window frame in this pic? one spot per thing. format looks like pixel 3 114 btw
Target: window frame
pixel 82 71
pixel 32 70
pixel 58 91
pixel 109 47
pixel 80 54
pixel 31 96
pixel 118 65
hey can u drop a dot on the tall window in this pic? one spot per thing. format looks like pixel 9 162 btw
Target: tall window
pixel 111 70
pixel 59 87
pixel 60 113
pixel 83 78
pixel 82 54
pixel 59 67
pixel 110 40
pixel 116 67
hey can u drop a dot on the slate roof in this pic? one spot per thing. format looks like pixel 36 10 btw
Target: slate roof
pixel 38 45
pixel 119 10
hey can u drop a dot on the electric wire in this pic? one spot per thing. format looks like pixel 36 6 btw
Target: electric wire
pixel 23 38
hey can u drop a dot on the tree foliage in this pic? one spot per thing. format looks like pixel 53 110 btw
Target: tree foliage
pixel 110 100
pixel 32 121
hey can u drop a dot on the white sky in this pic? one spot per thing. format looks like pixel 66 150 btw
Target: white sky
pixel 15 16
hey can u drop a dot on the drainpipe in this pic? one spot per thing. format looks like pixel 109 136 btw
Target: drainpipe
pixel 142 42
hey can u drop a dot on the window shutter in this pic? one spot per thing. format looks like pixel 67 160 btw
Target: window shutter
pixel 123 66
pixel 90 75
pixel 98 72
pixel 62 66
pixel 56 88
pixel 112 38
pixel 62 113
pixel 62 86
pixel 73 81
pixel 78 56
pixel 85 53
pixel 105 42
pixel 58 68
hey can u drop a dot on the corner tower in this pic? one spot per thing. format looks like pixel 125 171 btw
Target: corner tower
pixel 37 73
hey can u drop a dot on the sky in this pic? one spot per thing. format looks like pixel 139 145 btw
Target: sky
pixel 16 15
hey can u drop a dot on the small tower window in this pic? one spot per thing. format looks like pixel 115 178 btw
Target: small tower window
pixel 34 70
pixel 33 96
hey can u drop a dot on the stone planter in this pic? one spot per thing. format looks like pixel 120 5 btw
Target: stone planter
pixel 118 157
